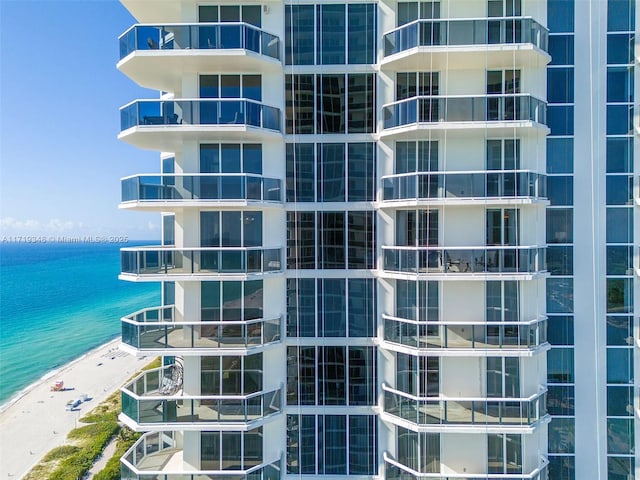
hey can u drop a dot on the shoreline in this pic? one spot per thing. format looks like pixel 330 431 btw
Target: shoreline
pixel 36 420
pixel 56 371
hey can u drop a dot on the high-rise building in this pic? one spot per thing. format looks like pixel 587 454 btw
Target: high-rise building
pixel 397 239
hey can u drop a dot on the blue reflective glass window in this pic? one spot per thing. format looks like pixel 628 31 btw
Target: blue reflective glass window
pixel 299 34
pixel 559 225
pixel 300 163
pixel 332 444
pixel 559 295
pixel 620 330
pixel 209 87
pixel 560 368
pixel 562 467
pixel 252 158
pixel 363 445
pixel 562 435
pixel 361 171
pixel 330 47
pixel 560 190
pixel 619 190
pixel 362 316
pixel 620 468
pixel 561 400
pixel 619 119
pixel 620 435
pixel 332 307
pixel 619 295
pixel 619 225
pixel 620 365
pixel 560 330
pixel 560 14
pixel 561 49
pixel 560 119
pixel 301 240
pixel 301 307
pixel 559 155
pixel 619 155
pixel 560 85
pixel 362 376
pixel 619 260
pixel 361 35
pixel 169 230
pixel 620 401
pixel 620 49
pixel 621 15
pixel 331 172
pixel 560 260
pixel 331 240
pixel 620 84
pixel 300 106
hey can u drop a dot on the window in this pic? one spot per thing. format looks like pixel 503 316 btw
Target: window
pixel 331 375
pixel 418 451
pixel 332 444
pixel 420 156
pixel 560 155
pixel 230 300
pixel 330 34
pixel 168 230
pixel 331 307
pixel 231 158
pixel 560 225
pixel 559 295
pixel 503 154
pixel 560 190
pixel 502 301
pixel 410 11
pixel 417 300
pixel 231 450
pixel 560 260
pixel 231 86
pixel 560 85
pixel 502 226
pixel 504 453
pixel 336 172
pixel 414 84
pixel 504 8
pixel 621 15
pixel 231 229
pixel 416 227
pixel 560 15
pixel 344 240
pixel 503 377
pixel 562 435
pixel 231 375
pixel 419 376
pixel 330 103
pixel 228 13
pixel 561 49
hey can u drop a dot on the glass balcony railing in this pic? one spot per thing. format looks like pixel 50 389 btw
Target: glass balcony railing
pixel 478 335
pixel 472 185
pixel 155 398
pixel 210 111
pixel 174 261
pixel 201 36
pixel 394 470
pixel 466 32
pixel 464 260
pixel 156 328
pixel 522 412
pixel 455 109
pixel 154 456
pixel 201 187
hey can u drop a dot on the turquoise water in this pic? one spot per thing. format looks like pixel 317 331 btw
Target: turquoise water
pixel 58 301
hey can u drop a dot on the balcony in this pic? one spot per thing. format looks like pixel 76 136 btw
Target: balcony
pixel 395 470
pixel 474 43
pixel 463 188
pixel 159 455
pixel 155 398
pixel 165 124
pixel 455 338
pixel 501 113
pixel 465 263
pixel 497 414
pixel 157 331
pixel 163 191
pixel 155 263
pixel 152 54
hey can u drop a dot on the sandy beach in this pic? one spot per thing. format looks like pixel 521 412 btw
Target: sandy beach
pixel 37 421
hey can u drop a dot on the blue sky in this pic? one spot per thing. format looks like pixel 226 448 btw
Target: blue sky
pixel 60 160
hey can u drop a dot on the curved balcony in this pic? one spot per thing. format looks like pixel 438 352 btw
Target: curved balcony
pixel 155 398
pixel 465 263
pixel 159 455
pixel 470 43
pixel 164 125
pixel 156 331
pixel 157 263
pixel 445 188
pixel 460 413
pixel 165 191
pixel 437 112
pixel 152 54
pixel 395 470
pixel 454 338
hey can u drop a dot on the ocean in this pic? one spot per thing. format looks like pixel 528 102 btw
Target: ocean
pixel 57 302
